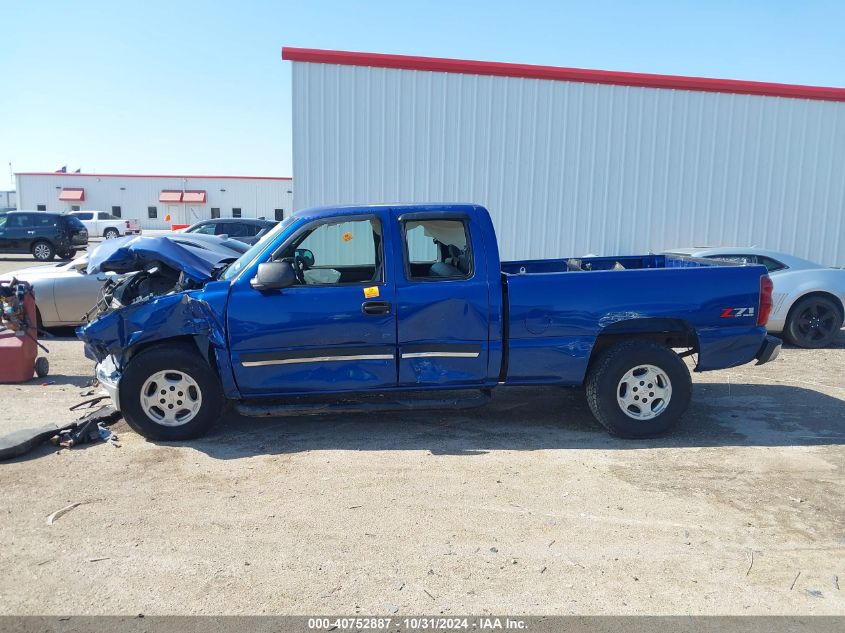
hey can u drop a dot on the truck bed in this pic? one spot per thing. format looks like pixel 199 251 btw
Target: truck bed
pixel 558 309
pixel 592 264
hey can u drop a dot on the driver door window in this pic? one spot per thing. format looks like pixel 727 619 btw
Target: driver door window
pixel 338 252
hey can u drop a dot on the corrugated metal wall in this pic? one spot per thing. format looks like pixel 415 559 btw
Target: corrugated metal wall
pixel 572 168
pixel 133 194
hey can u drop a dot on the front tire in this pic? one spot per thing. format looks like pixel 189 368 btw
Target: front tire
pixel 111 234
pixel 813 322
pixel 43 251
pixel 170 393
pixel 638 389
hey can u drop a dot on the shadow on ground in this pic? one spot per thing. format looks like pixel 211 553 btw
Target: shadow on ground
pixel 541 419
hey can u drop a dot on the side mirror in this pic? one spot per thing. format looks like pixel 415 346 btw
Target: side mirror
pixel 273 276
pixel 305 256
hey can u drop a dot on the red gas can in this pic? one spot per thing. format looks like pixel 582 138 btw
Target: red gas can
pixel 19 334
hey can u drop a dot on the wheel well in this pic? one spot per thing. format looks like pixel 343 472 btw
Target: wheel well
pixel 672 333
pixel 165 342
pixel 40 240
pixel 110 228
pixel 199 344
pixel 817 293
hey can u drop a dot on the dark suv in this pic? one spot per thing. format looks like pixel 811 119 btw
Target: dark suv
pixel 42 233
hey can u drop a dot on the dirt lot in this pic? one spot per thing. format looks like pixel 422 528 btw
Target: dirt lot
pixel 523 507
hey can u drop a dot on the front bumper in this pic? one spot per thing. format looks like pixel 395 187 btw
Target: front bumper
pixel 769 350
pixel 109 379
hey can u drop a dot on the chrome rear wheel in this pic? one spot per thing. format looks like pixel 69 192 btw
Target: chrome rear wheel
pixel 644 392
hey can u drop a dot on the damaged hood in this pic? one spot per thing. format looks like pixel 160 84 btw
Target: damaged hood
pixel 130 254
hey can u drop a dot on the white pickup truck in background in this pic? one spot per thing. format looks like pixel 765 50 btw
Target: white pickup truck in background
pixel 104 224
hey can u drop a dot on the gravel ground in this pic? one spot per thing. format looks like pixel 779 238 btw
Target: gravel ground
pixel 523 507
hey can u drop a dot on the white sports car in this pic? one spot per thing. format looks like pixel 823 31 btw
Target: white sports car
pixel 808 298
pixel 65 292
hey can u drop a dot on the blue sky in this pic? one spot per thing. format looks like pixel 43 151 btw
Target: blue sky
pixel 200 87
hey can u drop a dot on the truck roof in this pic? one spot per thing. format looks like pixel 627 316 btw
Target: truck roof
pixel 409 207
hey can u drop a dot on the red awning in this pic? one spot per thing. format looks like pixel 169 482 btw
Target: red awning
pixel 170 196
pixel 72 195
pixel 195 197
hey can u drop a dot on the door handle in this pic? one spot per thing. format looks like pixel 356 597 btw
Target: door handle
pixel 375 307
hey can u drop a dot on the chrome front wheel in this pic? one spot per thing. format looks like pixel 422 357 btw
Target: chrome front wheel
pixel 171 397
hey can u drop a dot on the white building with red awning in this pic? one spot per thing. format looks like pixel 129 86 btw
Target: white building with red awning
pixel 158 201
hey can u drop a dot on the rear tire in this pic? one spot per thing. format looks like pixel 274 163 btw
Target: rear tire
pixel 813 322
pixel 110 234
pixel 161 384
pixel 68 254
pixel 43 251
pixel 614 380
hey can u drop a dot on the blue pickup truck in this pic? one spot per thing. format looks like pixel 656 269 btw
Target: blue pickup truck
pixel 395 306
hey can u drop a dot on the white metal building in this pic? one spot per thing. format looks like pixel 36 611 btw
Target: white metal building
pixel 574 161
pixel 8 200
pixel 154 199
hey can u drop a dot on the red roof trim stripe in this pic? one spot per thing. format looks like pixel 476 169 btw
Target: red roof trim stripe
pixel 555 73
pixel 50 173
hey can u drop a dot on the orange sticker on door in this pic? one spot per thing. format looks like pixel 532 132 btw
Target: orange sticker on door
pixel 371 292
pixel 347 237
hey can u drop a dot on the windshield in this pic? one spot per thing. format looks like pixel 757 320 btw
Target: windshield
pixel 247 258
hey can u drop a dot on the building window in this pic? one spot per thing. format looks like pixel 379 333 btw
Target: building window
pixel 115 211
pixel 41 207
pixel 152 213
pixel 215 213
pixel 74 207
pixel 280 215
pixel 236 212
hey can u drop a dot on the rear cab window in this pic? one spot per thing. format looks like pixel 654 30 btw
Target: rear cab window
pixel 436 249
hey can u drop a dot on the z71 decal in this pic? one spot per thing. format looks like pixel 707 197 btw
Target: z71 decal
pixel 733 313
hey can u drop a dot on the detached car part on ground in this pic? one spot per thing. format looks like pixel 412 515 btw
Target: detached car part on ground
pixel 67 292
pixel 808 298
pixel 363 304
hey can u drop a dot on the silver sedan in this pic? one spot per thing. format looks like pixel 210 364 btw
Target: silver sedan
pixel 808 297
pixel 65 292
